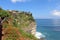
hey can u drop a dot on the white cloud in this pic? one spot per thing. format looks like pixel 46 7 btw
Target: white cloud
pixel 56 12
pixel 14 1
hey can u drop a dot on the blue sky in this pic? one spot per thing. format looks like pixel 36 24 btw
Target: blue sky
pixel 41 9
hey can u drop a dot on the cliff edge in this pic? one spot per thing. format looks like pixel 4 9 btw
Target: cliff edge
pixel 17 25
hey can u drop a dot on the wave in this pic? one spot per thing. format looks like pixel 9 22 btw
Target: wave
pixel 39 35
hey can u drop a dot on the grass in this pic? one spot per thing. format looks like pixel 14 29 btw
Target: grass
pixel 27 35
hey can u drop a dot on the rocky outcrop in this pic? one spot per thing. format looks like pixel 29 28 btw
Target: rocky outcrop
pixel 31 28
pixel 22 21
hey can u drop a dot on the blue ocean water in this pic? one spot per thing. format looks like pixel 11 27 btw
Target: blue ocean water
pixel 49 27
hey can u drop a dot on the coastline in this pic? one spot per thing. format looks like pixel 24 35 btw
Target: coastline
pixel 39 36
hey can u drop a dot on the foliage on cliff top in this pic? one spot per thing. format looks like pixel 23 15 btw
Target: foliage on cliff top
pixel 3 13
pixel 16 19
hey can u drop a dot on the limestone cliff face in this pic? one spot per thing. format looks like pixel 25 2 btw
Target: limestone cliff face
pixel 31 28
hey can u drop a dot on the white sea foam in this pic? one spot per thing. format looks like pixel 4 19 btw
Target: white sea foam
pixel 39 35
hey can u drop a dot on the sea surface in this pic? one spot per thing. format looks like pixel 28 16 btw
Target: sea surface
pixel 49 27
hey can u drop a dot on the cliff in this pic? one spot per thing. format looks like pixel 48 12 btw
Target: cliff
pixel 25 21
pixel 17 25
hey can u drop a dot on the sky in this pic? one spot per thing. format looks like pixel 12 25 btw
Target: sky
pixel 40 9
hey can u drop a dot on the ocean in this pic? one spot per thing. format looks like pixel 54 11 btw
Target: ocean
pixel 49 27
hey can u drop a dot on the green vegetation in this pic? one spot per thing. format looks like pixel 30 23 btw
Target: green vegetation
pixel 17 20
pixel 11 34
pixel 3 13
pixel 27 35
